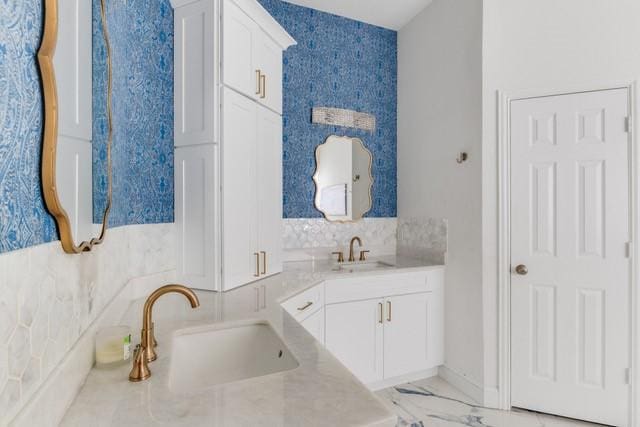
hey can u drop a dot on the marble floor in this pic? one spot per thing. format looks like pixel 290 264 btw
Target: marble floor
pixel 434 402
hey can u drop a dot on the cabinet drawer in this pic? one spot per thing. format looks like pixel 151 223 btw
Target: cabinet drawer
pixel 305 304
pixel 353 289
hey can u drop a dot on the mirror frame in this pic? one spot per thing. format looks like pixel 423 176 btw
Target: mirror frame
pixel 317 183
pixel 50 132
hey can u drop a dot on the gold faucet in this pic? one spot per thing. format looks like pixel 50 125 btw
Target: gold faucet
pixel 355 239
pixel 145 352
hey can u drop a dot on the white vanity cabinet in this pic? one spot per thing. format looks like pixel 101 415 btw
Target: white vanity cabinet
pixel 228 132
pixel 354 335
pixel 390 337
pixel 314 324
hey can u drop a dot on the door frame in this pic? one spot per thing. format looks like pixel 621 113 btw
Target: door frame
pixel 504 235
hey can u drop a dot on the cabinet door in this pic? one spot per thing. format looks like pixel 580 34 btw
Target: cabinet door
pixel 238 32
pixel 269 184
pixel 354 334
pixel 406 334
pixel 196 181
pixel 239 195
pixel 195 74
pixel 268 59
pixel 315 325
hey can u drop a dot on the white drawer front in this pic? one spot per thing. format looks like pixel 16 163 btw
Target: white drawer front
pixel 353 289
pixel 305 304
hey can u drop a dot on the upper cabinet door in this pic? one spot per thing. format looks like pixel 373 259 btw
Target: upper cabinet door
pixel 241 256
pixel 268 61
pixel 194 56
pixel 269 185
pixel 238 71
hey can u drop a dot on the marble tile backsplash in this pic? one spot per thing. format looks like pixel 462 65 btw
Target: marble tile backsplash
pixel 424 238
pixel 48 299
pixel 317 237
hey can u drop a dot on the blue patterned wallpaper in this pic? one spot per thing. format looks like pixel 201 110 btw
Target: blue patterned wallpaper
pixel 340 63
pixel 23 218
pixel 141 34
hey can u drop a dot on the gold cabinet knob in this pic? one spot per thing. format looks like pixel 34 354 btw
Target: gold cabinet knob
pixel 522 270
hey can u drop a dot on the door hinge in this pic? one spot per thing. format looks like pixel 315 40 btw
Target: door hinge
pixel 628 248
pixel 627 124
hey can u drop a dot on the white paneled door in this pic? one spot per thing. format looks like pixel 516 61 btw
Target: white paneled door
pixel 570 231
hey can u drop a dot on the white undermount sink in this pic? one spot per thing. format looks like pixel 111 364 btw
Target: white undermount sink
pixel 216 354
pixel 362 266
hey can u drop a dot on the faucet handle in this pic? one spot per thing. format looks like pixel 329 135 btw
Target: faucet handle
pixel 140 370
pixel 340 255
pixel 363 255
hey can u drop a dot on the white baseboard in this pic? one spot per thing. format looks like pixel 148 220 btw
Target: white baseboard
pixel 414 376
pixel 462 383
pixel 48 406
pixel 492 398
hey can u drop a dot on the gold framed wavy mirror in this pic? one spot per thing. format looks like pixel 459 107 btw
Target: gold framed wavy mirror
pixel 343 179
pixel 67 162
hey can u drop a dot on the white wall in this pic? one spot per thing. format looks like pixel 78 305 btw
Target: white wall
pixel 544 45
pixel 439 115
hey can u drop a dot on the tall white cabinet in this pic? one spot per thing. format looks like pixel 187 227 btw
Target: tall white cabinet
pixel 228 133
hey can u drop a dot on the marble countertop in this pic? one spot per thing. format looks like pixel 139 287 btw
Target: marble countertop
pixel 320 392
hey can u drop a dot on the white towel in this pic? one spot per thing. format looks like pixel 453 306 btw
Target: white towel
pixel 333 200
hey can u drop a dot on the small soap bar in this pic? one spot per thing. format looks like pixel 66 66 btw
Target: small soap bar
pixel 113 346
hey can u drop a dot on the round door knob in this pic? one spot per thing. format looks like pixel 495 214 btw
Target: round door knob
pixel 522 270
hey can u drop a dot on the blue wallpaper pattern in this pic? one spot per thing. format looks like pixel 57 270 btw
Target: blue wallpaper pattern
pixel 342 63
pixel 141 34
pixel 23 219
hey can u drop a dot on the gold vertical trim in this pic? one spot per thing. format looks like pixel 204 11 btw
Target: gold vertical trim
pixel 258 82
pixel 50 133
pixel 257 255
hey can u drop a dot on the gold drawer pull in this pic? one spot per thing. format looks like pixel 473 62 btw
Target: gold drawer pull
pixel 389 311
pixel 258 82
pixel 304 307
pixel 381 312
pixel 257 264
pixel 263 83
pixel 264 262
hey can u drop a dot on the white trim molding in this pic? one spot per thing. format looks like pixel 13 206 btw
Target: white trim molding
pixel 503 396
pixel 462 383
pixel 504 251
pixel 634 375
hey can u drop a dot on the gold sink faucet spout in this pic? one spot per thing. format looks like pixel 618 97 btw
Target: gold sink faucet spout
pixel 352 258
pixel 145 352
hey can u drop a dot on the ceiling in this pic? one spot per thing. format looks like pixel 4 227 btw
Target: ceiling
pixel 392 14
